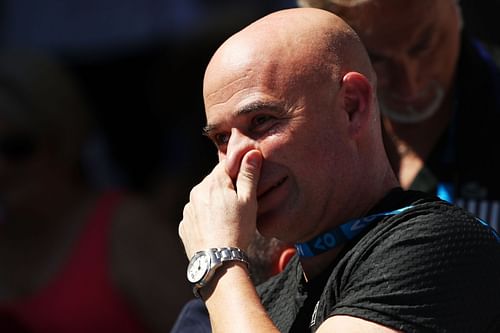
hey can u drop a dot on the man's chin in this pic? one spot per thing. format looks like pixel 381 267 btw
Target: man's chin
pixel 267 224
pixel 407 115
pixel 413 113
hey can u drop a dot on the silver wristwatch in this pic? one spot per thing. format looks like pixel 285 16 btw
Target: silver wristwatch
pixel 203 264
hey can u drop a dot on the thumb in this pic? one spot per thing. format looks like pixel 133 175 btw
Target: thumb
pixel 248 177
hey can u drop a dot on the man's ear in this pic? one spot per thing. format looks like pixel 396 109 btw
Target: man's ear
pixel 357 98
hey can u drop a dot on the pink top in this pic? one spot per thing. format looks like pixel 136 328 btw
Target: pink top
pixel 81 298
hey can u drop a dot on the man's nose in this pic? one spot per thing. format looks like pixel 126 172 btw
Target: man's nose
pixel 401 79
pixel 239 144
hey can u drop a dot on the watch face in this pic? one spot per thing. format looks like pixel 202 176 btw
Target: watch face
pixel 198 267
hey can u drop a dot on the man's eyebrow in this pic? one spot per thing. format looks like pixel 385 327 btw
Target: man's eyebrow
pixel 259 106
pixel 248 109
pixel 424 39
pixel 206 130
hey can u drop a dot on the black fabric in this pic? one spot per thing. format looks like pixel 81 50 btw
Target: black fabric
pixel 466 156
pixel 432 268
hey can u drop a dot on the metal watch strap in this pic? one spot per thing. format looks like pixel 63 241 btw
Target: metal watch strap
pixel 223 254
pixel 219 256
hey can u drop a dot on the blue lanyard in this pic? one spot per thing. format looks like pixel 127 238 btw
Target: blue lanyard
pixel 446 191
pixel 341 234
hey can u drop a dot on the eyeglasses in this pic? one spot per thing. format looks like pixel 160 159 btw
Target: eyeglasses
pixel 17 147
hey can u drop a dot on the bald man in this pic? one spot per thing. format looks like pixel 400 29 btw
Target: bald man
pixel 291 107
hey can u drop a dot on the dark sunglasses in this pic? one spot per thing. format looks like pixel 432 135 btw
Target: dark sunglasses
pixel 17 147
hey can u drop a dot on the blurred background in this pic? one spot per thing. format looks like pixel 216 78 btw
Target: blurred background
pixel 139 66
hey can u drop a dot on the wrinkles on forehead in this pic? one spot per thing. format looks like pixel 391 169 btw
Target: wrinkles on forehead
pixel 225 87
pixel 262 75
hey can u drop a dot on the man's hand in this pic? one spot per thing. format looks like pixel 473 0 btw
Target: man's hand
pixel 218 212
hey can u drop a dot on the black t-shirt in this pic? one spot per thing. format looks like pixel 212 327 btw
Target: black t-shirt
pixel 432 268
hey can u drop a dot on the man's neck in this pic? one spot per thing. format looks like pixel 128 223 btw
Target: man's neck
pixel 314 266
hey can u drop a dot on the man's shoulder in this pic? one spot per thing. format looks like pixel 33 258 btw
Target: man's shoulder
pixel 431 235
pixel 434 237
pixel 419 259
pixel 436 217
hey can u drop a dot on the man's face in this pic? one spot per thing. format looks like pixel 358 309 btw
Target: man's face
pixel 414 46
pixel 300 137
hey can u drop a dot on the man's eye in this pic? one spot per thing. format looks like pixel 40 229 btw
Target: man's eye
pixel 420 48
pixel 260 120
pixel 221 139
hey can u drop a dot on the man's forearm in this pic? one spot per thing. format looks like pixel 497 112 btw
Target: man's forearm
pixel 233 303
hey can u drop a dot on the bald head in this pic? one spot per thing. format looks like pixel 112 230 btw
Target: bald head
pixel 301 41
pixel 297 85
